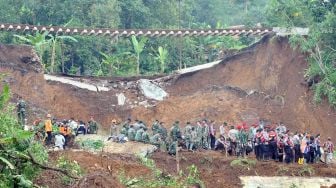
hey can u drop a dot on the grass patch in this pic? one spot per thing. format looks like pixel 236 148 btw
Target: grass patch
pixel 91 144
pixel 159 179
pixel 243 163
pixel 282 170
pixel 306 170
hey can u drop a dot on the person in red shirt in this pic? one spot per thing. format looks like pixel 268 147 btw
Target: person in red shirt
pixel 272 139
pixel 329 151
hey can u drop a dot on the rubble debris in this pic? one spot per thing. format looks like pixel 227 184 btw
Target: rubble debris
pixel 151 90
pixel 121 99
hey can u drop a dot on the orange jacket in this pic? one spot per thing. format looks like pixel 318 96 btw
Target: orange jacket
pixel 48 125
pixel 61 130
pixel 67 131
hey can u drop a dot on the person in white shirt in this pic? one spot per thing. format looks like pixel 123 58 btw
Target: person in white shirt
pixel 59 141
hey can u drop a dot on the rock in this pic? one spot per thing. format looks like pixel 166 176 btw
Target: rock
pixel 121 99
pixel 151 90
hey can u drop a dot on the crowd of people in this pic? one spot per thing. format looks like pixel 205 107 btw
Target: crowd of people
pixel 267 141
pixel 61 132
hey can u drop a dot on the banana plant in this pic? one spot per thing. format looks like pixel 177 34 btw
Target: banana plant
pixel 39 41
pixel 162 57
pixel 138 46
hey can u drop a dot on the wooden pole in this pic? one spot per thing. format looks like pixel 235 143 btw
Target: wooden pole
pixel 177 158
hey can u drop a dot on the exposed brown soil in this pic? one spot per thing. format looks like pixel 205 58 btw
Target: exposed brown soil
pixel 214 168
pixel 216 171
pixel 100 170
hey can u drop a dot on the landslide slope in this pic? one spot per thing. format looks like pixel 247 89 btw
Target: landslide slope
pixel 262 81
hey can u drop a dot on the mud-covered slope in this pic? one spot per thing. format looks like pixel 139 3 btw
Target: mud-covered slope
pixel 263 81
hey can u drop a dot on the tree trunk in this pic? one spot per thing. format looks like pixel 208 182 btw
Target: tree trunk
pixel 138 64
pixel 62 58
pixel 53 53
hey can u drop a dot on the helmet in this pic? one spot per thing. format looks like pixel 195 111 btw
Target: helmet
pixel 114 121
pixel 48 116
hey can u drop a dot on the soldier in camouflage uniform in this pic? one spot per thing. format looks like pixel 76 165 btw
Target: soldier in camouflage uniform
pixel 21 111
pixel 175 132
pixel 205 135
pixel 241 137
pixel 156 140
pixel 138 135
pixel 193 139
pixel 187 135
pixel 199 133
pixel 163 131
pixel 131 133
pixel 126 126
pixel 156 127
pixel 172 148
pixel 145 137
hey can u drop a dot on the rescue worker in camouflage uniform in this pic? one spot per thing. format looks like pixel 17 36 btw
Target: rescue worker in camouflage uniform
pixel 145 137
pixel 172 148
pixel 163 131
pixel 199 139
pixel 187 135
pixel 126 126
pixel 175 132
pixel 156 140
pixel 21 111
pixel 138 135
pixel 131 133
pixel 205 135
pixel 241 137
pixel 156 127
pixel 193 139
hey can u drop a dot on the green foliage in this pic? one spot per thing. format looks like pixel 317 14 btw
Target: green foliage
pixel 84 57
pixel 162 57
pixel 70 166
pixel 89 144
pixel 319 45
pixel 158 179
pixel 15 143
pixel 243 163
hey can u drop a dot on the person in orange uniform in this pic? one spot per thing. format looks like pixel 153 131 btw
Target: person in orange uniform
pixel 48 128
pixel 67 134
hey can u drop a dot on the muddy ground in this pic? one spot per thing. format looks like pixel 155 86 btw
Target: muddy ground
pixel 264 81
pixel 214 168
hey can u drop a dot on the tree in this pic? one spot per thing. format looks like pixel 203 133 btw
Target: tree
pixel 57 41
pixel 162 57
pixel 138 47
